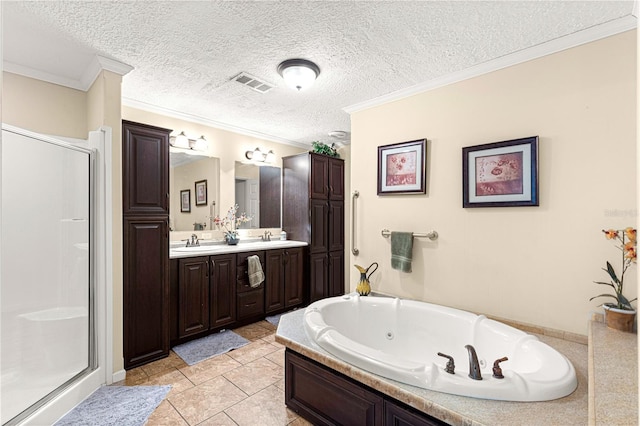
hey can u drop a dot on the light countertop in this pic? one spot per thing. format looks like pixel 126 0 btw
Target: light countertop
pixel 454 409
pixel 207 248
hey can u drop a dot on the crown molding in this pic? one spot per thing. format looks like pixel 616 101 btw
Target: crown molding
pixel 588 35
pixel 98 64
pixel 207 122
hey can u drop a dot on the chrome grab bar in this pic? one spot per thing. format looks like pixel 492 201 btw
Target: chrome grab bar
pixel 354 196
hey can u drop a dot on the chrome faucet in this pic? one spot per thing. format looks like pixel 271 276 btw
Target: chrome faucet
pixel 194 240
pixel 474 366
pixel 267 236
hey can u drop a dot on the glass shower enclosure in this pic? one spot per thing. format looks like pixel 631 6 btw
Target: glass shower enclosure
pixel 47 285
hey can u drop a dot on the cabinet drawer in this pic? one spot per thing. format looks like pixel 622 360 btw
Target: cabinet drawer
pixel 242 271
pixel 250 303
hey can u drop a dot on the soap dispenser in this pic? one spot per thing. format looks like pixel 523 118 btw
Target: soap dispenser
pixel 283 235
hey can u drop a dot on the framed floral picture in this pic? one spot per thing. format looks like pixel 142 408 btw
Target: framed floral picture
pixel 185 201
pixel 201 193
pixel 401 168
pixel 501 174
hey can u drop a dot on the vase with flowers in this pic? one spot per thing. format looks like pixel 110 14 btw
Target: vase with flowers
pixel 229 224
pixel 619 314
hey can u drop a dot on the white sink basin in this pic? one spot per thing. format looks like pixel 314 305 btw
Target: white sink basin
pixel 195 248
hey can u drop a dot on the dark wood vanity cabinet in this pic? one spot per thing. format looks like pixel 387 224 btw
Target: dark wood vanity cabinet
pixel 145 216
pixel 284 280
pixel 205 293
pixel 222 280
pixel 326 397
pixel 313 211
pixel 193 296
pixel 250 300
pixel 145 169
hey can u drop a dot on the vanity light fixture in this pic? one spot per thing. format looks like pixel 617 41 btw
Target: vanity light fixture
pixel 183 142
pixel 259 157
pixel 298 73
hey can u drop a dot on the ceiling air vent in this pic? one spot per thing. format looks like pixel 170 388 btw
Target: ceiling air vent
pixel 253 82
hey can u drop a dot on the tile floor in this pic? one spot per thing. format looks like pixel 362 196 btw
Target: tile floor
pixel 241 387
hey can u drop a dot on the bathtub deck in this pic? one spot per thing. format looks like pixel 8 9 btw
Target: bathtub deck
pixel 453 409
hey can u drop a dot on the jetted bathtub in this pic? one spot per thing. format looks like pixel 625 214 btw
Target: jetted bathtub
pixel 400 340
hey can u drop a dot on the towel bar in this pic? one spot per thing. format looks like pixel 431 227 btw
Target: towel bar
pixel 433 235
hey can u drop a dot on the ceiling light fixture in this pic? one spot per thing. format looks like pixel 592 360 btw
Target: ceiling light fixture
pixel 183 142
pixel 298 73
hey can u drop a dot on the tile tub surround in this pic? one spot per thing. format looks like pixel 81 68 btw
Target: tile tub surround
pixel 453 409
pixel 613 376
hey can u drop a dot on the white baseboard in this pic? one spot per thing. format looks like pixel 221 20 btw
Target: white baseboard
pixel 119 376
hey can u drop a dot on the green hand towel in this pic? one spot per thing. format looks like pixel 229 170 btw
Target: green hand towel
pixel 401 250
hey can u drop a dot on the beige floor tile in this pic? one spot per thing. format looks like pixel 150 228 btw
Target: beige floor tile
pixel 267 325
pixel 165 415
pixel 220 419
pixel 252 331
pixel 252 351
pixel 256 375
pixel 276 357
pixel 206 400
pixel 265 408
pixel 172 361
pixel 280 384
pixel 210 368
pixel 134 376
pixel 175 378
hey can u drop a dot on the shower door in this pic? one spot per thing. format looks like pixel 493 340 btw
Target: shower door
pixel 46 270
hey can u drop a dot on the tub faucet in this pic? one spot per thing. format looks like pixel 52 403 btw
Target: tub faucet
pixel 474 366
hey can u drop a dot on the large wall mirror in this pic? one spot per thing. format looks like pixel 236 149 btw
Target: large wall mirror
pixel 194 185
pixel 258 193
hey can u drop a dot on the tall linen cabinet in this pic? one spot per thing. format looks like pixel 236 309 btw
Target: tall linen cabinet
pixel 145 221
pixel 313 211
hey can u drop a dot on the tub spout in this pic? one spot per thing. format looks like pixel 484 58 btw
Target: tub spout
pixel 474 366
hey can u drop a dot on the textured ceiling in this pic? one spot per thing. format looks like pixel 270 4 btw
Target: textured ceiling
pixel 184 54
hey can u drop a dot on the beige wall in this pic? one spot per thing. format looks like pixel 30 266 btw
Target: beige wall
pixel 530 264
pixel 43 107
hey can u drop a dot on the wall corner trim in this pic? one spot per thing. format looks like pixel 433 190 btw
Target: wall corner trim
pixel 626 23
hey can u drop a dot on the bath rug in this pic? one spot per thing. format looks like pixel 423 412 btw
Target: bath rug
pixel 275 319
pixel 207 347
pixel 116 405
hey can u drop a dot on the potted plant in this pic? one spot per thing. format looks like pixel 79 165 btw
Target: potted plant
pixel 230 223
pixel 323 148
pixel 619 314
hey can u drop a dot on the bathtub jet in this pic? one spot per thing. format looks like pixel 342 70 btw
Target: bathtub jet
pixel 400 340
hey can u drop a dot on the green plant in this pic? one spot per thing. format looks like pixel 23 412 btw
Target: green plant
pixel 323 148
pixel 627 240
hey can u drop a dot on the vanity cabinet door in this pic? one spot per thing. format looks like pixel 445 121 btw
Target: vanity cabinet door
pixel 193 296
pixel 293 277
pixel 336 179
pixel 145 289
pixel 274 296
pixel 222 281
pixel 145 169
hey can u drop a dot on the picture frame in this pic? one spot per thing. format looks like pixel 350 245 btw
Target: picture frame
pixel 185 201
pixel 201 192
pixel 402 168
pixel 501 174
